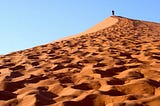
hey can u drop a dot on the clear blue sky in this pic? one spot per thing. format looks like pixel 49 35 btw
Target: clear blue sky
pixel 28 23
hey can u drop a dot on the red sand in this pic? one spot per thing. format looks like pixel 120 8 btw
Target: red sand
pixel 115 63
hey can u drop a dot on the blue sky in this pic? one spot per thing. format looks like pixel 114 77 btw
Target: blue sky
pixel 28 23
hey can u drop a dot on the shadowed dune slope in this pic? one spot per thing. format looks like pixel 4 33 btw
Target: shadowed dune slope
pixel 114 63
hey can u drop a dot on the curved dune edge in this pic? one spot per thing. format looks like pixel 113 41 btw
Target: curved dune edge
pixel 100 26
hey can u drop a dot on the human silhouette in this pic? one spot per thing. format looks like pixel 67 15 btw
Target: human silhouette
pixel 113 12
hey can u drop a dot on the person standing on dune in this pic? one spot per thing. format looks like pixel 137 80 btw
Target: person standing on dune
pixel 112 12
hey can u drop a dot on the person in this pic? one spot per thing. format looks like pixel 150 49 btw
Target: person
pixel 113 12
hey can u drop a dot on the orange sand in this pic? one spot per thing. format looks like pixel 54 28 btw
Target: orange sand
pixel 115 63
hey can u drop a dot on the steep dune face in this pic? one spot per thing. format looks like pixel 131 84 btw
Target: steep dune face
pixel 115 63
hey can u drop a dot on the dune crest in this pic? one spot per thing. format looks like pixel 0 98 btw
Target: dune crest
pixel 100 26
pixel 114 63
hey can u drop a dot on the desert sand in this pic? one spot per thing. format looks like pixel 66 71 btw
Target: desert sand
pixel 114 63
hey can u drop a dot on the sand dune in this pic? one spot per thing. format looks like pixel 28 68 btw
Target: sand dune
pixel 114 63
pixel 100 26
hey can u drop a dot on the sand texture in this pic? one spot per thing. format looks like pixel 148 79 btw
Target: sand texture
pixel 115 63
